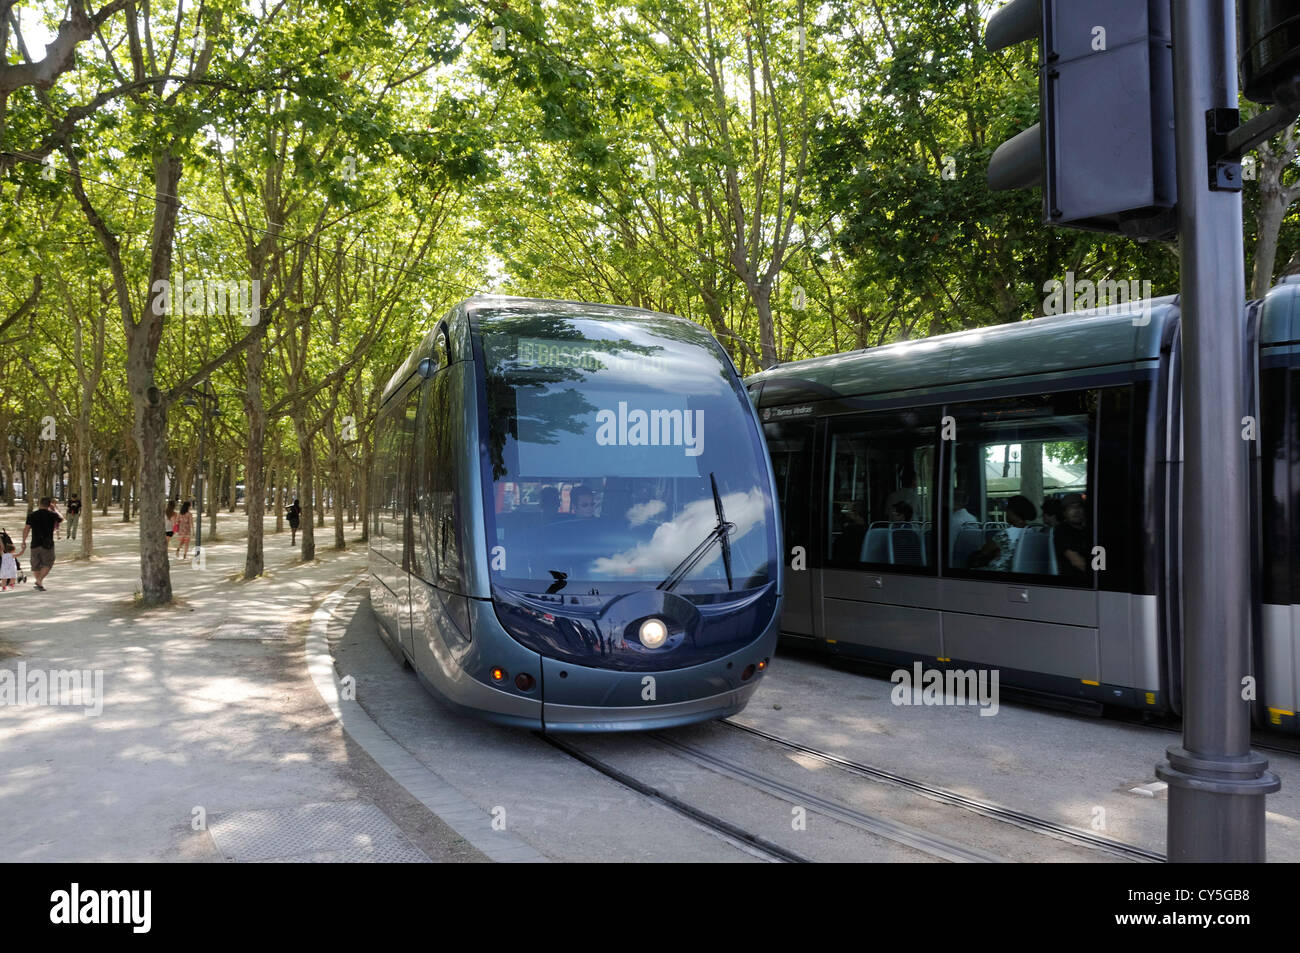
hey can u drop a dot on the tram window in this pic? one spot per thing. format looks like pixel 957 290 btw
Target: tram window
pixel 881 493
pixel 612 447
pixel 385 473
pixel 441 519
pixel 403 497
pixel 1019 487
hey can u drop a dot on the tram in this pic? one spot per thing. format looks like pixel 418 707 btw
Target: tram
pixel 572 518
pixel 1009 497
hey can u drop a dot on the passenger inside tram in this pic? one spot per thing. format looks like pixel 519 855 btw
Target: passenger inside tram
pixel 848 545
pixel 996 555
pixel 582 502
pixel 1072 539
pixel 961 514
pixel 906 493
pixel 900 512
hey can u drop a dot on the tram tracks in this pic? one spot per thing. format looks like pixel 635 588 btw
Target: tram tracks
pixel 1020 819
pixel 737 790
pixel 754 842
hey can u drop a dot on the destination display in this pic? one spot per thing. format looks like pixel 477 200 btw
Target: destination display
pixel 539 352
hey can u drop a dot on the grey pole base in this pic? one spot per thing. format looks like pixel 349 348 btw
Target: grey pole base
pixel 1229 789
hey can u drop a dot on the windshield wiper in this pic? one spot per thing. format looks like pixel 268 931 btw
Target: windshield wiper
pixel 720 533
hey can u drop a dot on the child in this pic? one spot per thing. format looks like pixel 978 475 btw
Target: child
pixel 184 527
pixel 8 567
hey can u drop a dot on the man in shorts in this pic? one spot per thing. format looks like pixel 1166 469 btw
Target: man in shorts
pixel 42 525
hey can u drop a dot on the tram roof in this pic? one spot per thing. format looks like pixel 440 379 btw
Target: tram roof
pixel 1066 342
pixel 478 307
pixel 1280 323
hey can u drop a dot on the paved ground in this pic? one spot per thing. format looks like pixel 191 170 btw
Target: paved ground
pixel 1071 769
pixel 214 743
pixel 204 724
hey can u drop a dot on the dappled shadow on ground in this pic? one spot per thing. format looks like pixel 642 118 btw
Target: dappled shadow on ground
pixel 188 722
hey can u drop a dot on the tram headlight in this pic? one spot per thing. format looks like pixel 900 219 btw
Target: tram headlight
pixel 653 633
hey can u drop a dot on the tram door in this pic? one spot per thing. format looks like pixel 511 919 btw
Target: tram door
pixel 1278 653
pixel 403 524
pixel 790 443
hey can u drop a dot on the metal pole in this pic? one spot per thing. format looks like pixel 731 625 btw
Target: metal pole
pixel 1216 783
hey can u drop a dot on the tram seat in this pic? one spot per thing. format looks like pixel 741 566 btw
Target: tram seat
pixel 970 539
pixel 908 548
pixel 1033 551
pixel 876 546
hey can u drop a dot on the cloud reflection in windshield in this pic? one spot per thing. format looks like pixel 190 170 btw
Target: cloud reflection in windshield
pixel 674 539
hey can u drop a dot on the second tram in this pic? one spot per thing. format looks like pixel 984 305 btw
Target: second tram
pixel 1009 497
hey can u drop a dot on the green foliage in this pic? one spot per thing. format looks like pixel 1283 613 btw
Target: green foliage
pixel 388 158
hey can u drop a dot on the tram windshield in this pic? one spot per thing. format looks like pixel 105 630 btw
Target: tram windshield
pixel 606 435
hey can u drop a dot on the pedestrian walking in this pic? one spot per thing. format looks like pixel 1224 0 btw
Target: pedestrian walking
pixel 295 517
pixel 42 526
pixel 170 520
pixel 184 527
pixel 74 515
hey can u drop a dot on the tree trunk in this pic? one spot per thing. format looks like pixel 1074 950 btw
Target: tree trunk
pixel 363 496
pixel 339 541
pixel 214 493
pixel 151 443
pixel 254 493
pixel 87 520
pixel 762 296
pixel 279 499
pixel 184 481
pixel 321 501
pixel 1271 212
pixel 105 486
pixel 306 486
pixel 1031 472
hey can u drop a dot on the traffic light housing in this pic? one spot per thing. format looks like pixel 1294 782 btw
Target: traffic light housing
pixel 1270 51
pixel 1103 150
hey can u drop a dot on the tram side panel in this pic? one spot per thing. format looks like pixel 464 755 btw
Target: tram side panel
pixel 1279 485
pixel 385 575
pixel 456 641
pixel 898 591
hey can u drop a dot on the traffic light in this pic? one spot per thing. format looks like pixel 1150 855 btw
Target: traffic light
pixel 1103 150
pixel 1270 51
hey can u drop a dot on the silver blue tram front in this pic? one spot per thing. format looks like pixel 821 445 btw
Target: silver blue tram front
pixel 629 532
